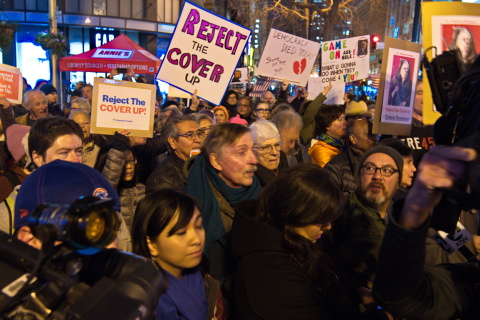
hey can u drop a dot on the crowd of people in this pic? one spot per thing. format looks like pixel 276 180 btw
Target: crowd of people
pixel 267 208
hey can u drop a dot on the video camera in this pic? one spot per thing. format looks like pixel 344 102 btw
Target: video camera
pixel 456 93
pixel 76 279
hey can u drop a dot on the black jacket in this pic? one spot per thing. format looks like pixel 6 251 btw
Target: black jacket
pixel 169 174
pixel 403 286
pixel 268 282
pixel 266 176
pixel 343 169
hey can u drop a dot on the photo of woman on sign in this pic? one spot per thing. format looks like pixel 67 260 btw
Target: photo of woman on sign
pixel 401 85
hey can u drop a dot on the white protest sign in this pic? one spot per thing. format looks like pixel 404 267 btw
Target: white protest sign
pixel 122 105
pixel 345 60
pixel 334 96
pixel 286 56
pixel 203 53
pixel 11 83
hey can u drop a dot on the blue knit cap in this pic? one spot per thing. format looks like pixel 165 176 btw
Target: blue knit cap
pixel 60 182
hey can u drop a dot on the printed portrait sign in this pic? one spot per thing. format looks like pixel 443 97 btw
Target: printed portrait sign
pixel 123 105
pixel 345 60
pixel 203 53
pixel 286 56
pixel 448 25
pixel 11 83
pixel 396 95
pixel 240 76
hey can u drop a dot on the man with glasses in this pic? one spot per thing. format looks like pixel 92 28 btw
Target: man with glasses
pixel 36 104
pixel 358 233
pixel 182 136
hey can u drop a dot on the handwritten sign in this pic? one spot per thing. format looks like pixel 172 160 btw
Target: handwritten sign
pixel 286 56
pixel 123 105
pixel 203 53
pixel 11 83
pixel 345 60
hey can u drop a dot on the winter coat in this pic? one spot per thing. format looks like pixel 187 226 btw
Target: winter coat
pixel 308 131
pixel 343 168
pixel 268 282
pixel 168 174
pixel 408 289
pixel 321 153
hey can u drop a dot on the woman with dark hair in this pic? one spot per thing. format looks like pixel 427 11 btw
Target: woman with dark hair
pixel 167 228
pixel 117 163
pixel 282 271
pixel 230 101
pixel 401 85
pixel 462 40
pixel 331 128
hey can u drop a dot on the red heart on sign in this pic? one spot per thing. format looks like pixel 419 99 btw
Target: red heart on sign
pixel 299 66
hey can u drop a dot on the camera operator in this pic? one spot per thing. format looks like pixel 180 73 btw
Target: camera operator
pixel 403 285
pixel 74 211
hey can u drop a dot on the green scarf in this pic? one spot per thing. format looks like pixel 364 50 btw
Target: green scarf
pixel 198 186
pixel 334 142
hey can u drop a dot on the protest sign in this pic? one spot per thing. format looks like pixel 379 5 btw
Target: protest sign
pixel 123 105
pixel 240 76
pixel 396 94
pixel 345 60
pixel 203 53
pixel 11 83
pixel 286 56
pixel 448 25
pixel 334 96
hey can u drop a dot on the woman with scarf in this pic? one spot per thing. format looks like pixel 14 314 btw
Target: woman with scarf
pixel 331 127
pixel 167 228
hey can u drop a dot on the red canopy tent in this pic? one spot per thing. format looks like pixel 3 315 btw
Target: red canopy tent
pixel 121 52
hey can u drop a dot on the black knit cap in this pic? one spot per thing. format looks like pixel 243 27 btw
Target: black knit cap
pixel 388 151
pixel 48 88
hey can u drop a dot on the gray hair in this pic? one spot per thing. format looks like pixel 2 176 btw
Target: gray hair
pixel 171 128
pixel 78 111
pixel 83 103
pixel 286 119
pixel 263 130
pixel 202 116
pixel 27 96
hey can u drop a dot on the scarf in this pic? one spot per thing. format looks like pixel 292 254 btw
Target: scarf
pixel 184 299
pixel 198 186
pixel 334 142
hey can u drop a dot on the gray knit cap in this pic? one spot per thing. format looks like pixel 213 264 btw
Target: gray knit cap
pixel 388 151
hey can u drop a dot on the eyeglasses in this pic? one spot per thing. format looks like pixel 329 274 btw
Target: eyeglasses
pixel 130 162
pixel 190 135
pixel 384 171
pixel 37 104
pixel 269 147
pixel 262 110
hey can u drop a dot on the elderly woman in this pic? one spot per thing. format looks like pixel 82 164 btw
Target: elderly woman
pixel 90 147
pixel 267 148
pixel 205 124
pixel 331 127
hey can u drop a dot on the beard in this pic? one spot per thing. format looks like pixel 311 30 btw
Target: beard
pixel 376 198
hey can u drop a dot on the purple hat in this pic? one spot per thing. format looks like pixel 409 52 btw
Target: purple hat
pixel 60 182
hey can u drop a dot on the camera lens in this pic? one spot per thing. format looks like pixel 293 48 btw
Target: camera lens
pixel 88 222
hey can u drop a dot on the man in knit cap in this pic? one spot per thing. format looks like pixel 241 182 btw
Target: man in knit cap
pixel 358 234
pixel 52 97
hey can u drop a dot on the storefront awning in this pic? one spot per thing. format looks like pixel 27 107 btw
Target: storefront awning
pixel 121 52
